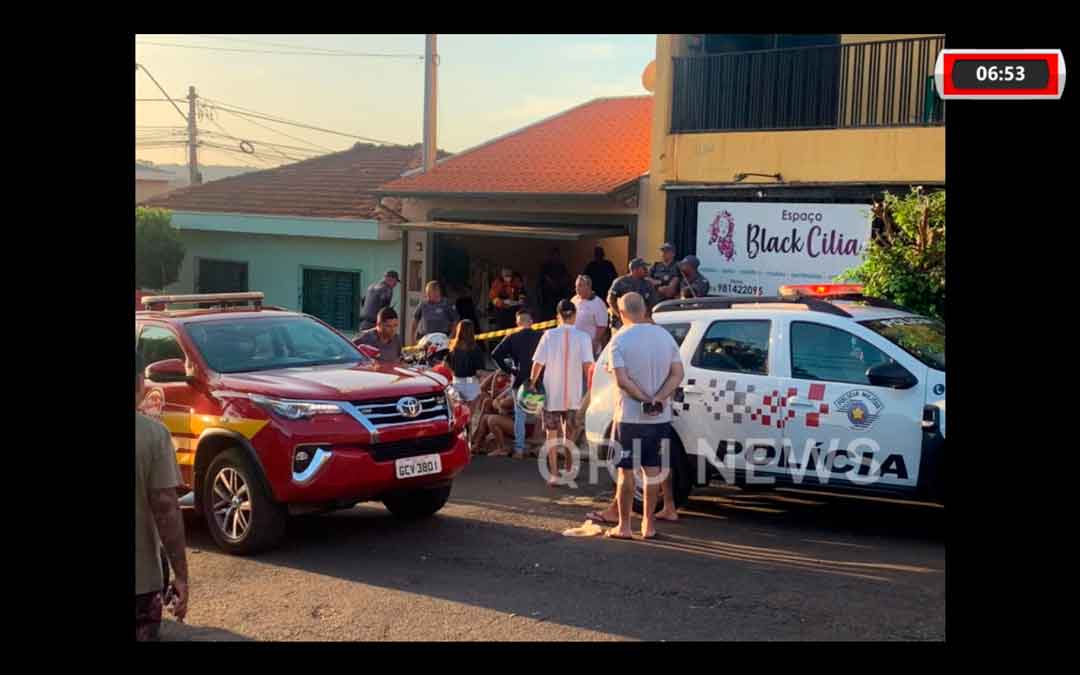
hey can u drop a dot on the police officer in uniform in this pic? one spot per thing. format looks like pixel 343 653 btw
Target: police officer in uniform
pixel 636 281
pixel 379 294
pixel 694 284
pixel 664 275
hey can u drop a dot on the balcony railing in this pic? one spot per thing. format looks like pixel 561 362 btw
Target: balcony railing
pixel 869 84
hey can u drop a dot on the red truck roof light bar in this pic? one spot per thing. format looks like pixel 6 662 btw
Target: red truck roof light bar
pixel 218 299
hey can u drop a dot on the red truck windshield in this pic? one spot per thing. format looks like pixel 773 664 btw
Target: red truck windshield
pixel 269 344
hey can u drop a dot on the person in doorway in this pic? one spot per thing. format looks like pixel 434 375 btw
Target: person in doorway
pixel 601 271
pixel 384 336
pixel 592 317
pixel 694 284
pixel 518 348
pixel 563 356
pixel 467 361
pixel 634 282
pixel 379 294
pixel 648 368
pixel 434 315
pixel 507 296
pixel 158 523
pixel 664 275
pixel 554 283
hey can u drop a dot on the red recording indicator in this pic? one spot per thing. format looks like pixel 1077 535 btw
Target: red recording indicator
pixel 1000 74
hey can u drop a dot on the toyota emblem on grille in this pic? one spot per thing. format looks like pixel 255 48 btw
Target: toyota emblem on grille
pixel 408 407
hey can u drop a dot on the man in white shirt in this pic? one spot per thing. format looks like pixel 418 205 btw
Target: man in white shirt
pixel 591 312
pixel 563 355
pixel 648 368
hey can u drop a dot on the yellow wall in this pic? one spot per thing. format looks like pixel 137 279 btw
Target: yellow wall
pixel 895 154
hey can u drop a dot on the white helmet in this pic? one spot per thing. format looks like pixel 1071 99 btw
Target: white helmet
pixel 433 343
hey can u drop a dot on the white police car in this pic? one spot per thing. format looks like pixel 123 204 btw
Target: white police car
pixel 818 387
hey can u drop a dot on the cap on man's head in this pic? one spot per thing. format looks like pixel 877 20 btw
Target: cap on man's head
pixel 638 262
pixel 691 260
pixel 393 275
pixel 566 308
pixel 668 246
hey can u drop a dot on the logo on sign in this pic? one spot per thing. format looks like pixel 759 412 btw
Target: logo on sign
pixel 408 407
pixel 722 233
pixel 862 408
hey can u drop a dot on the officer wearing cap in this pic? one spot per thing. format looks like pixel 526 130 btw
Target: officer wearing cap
pixel 694 284
pixel 379 294
pixel 637 282
pixel 664 275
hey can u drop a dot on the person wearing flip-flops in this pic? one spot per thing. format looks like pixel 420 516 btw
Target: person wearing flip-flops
pixel 648 369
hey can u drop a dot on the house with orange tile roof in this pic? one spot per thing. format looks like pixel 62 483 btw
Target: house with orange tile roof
pixel 571 181
pixel 310 235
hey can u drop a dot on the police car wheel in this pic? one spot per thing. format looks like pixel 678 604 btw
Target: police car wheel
pixel 241 516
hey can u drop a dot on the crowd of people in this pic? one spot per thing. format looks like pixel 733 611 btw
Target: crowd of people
pixel 644 359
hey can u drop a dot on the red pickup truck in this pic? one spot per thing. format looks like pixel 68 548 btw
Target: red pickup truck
pixel 274 412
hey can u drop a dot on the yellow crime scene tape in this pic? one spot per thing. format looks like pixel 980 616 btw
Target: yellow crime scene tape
pixel 543 325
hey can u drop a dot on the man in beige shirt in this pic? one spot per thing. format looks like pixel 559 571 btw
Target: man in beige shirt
pixel 158 523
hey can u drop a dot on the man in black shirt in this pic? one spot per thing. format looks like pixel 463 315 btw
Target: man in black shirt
pixel 554 284
pixel 601 271
pixel 519 347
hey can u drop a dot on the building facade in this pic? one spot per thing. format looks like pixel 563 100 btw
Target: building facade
pixel 827 121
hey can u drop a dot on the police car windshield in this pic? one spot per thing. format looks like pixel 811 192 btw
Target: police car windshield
pixel 271 343
pixel 919 336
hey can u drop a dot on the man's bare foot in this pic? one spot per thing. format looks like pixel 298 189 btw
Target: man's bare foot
pixel 616 533
pixel 499 452
pixel 648 534
pixel 671 516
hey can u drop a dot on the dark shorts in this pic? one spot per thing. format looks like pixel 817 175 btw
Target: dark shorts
pixel 648 437
pixel 557 420
pixel 147 616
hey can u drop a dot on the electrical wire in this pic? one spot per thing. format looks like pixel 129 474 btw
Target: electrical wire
pixel 266 143
pixel 313 146
pixel 339 52
pixel 301 125
pixel 139 66
pixel 411 57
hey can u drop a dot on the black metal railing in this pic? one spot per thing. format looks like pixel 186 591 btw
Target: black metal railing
pixel 868 84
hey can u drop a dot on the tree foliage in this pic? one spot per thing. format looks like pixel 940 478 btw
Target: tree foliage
pixel 158 249
pixel 905 261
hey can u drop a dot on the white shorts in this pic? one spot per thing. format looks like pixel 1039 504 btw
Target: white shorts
pixel 469 390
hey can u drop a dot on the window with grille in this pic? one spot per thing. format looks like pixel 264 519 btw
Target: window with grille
pixel 333 296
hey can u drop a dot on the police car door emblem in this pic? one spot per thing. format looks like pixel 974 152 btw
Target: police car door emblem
pixel 408 407
pixel 939 389
pixel 862 408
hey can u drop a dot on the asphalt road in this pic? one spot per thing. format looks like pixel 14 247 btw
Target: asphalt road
pixel 493 565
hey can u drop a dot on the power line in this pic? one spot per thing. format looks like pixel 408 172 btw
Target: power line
pixel 282 133
pixel 340 52
pixel 266 143
pixel 139 66
pixel 412 57
pixel 303 126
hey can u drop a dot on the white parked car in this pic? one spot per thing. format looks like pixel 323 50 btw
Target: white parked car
pixel 819 387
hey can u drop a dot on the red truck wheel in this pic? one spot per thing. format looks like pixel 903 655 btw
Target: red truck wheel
pixel 240 515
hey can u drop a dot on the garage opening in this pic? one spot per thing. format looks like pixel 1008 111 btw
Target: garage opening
pixel 468 257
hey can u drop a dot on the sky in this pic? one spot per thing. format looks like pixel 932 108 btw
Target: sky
pixel 488 85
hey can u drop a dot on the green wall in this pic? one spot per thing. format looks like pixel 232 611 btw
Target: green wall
pixel 275 262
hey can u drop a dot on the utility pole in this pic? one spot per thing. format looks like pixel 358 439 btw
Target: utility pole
pixel 431 90
pixel 193 140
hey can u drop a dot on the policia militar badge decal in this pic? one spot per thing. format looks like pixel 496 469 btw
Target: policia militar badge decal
pixel 862 408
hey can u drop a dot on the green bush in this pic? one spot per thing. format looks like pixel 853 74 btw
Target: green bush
pixel 158 249
pixel 905 261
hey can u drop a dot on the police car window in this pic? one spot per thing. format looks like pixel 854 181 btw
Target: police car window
pixel 159 344
pixel 735 347
pixel 677 330
pixel 820 352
